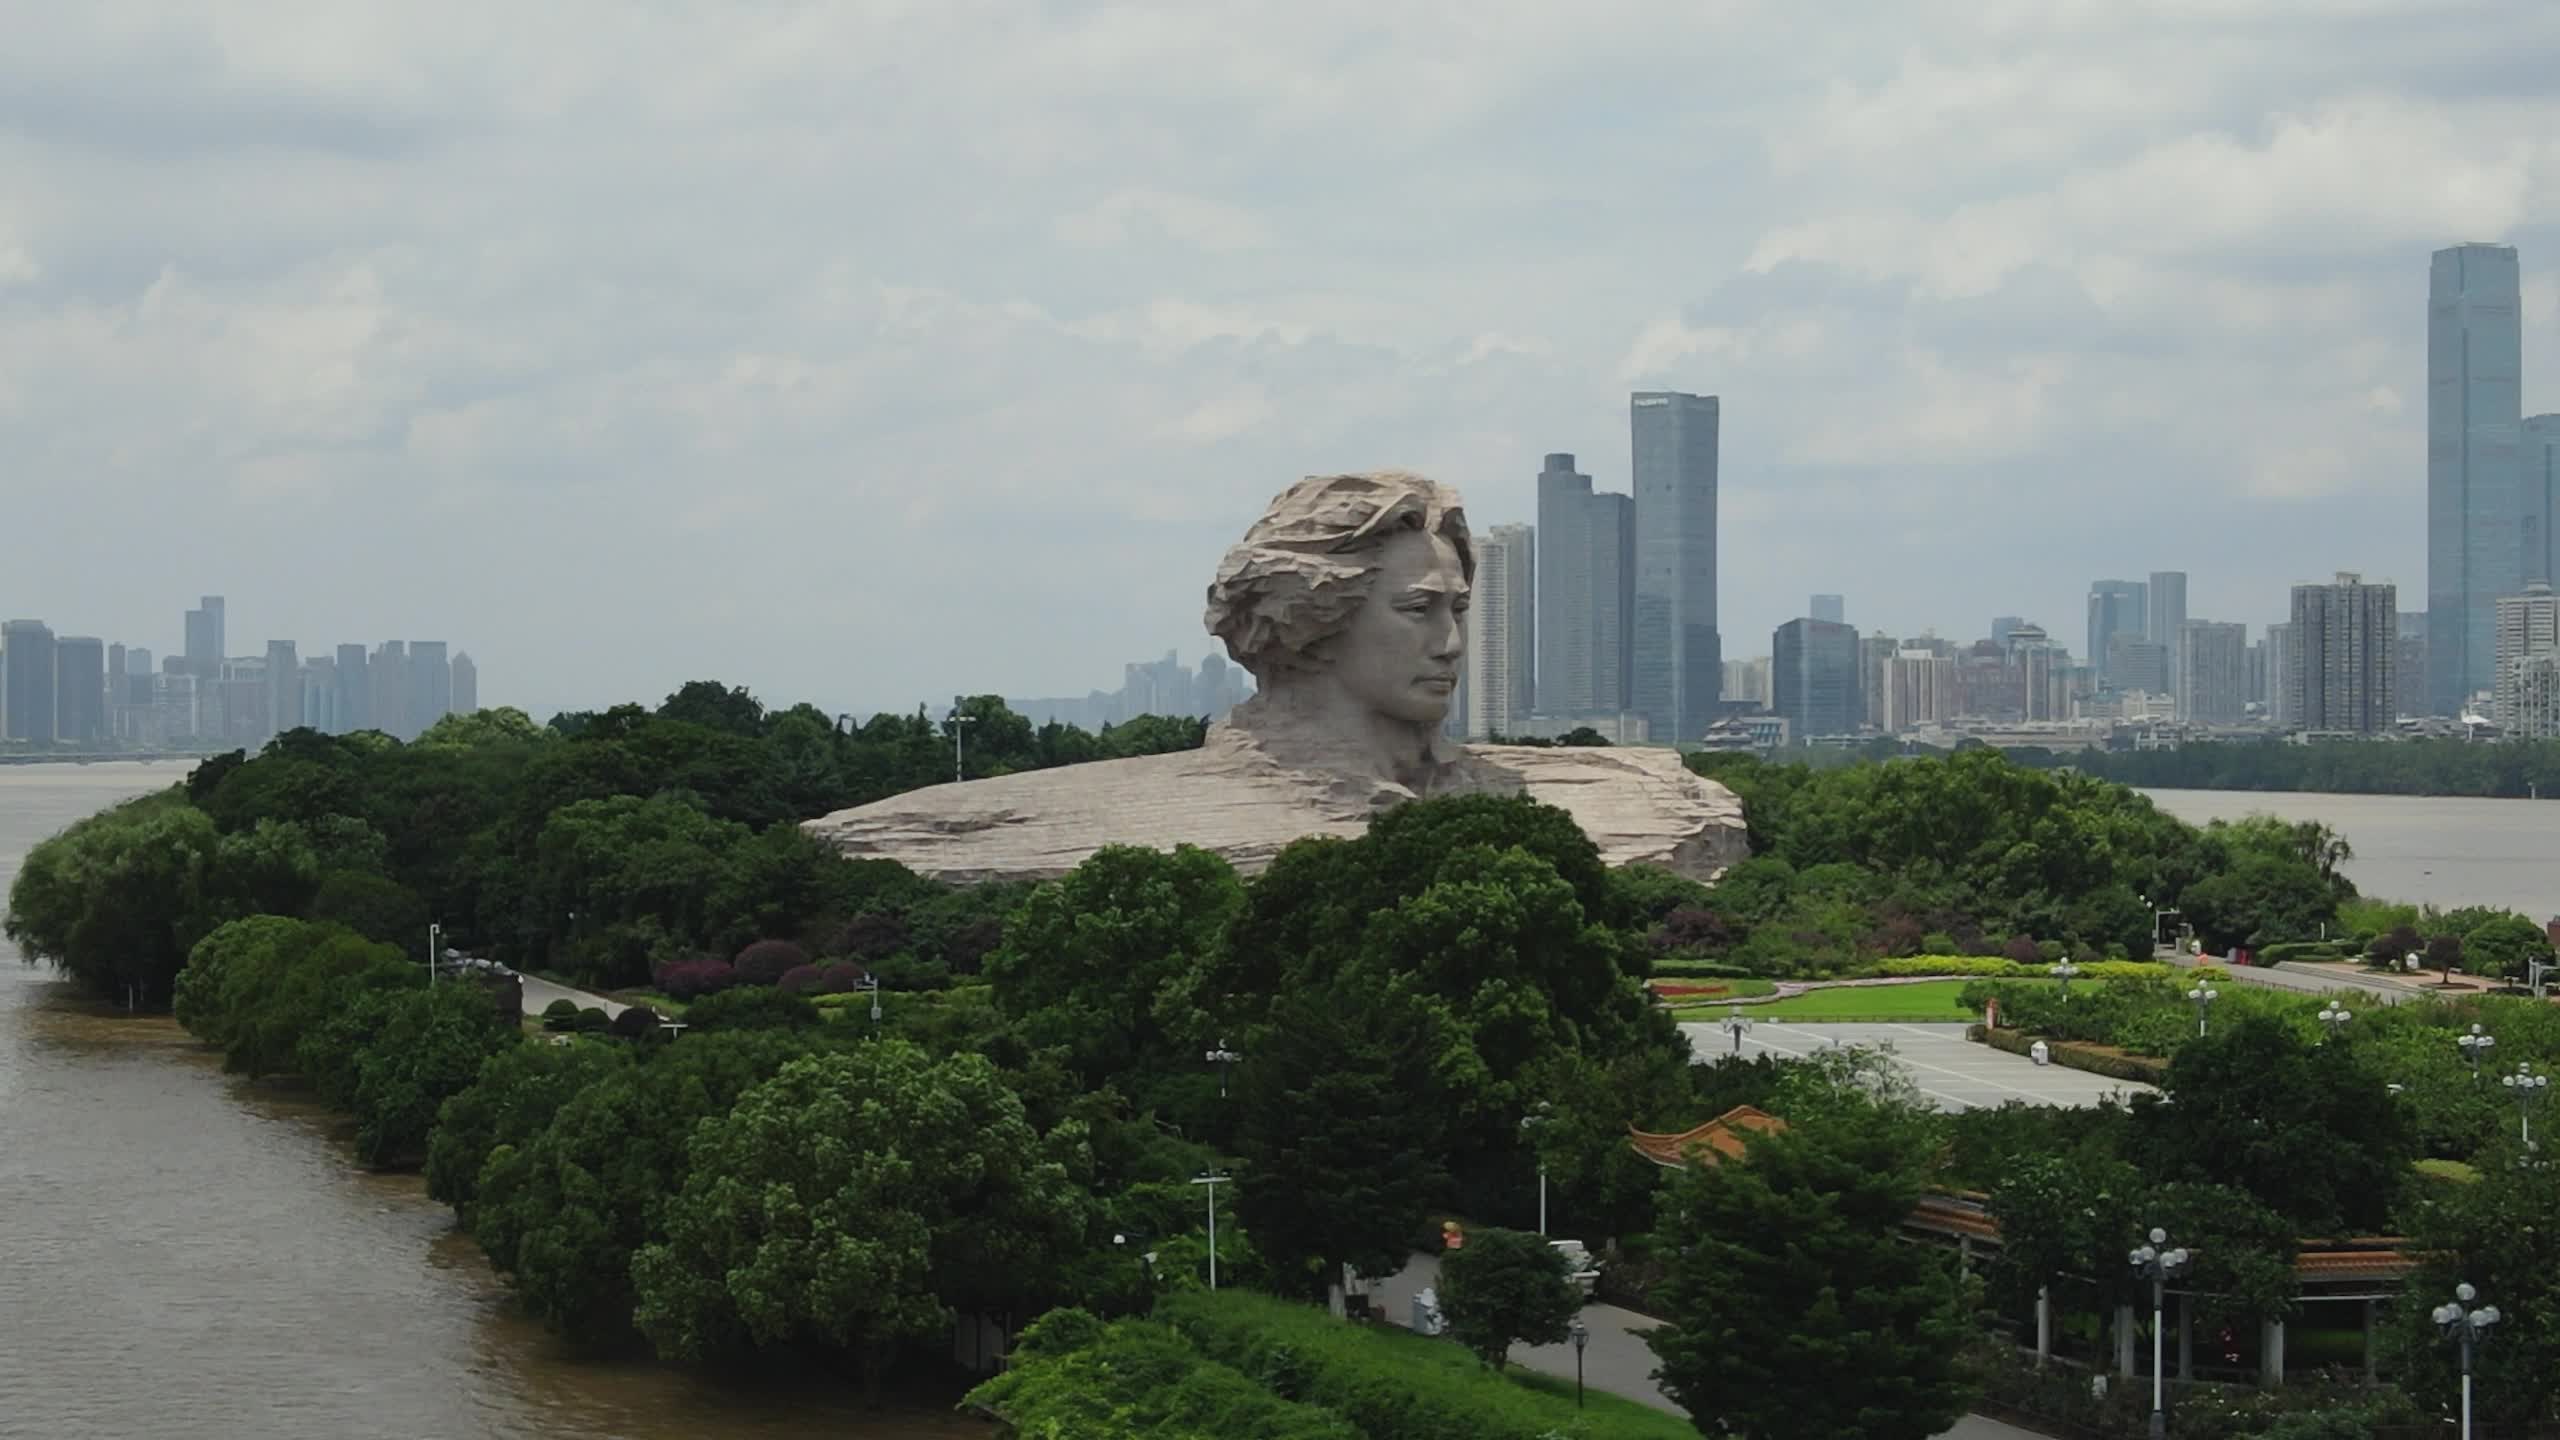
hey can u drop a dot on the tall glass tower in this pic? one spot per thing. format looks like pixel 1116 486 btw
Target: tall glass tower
pixel 2479 524
pixel 1678 656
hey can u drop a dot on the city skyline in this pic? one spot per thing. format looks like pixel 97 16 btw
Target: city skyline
pixel 977 410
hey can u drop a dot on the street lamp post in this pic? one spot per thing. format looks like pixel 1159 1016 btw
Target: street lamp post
pixel 1526 1121
pixel 872 984
pixel 1213 1180
pixel 2530 1090
pixel 958 720
pixel 1736 1025
pixel 435 950
pixel 2203 996
pixel 2066 972
pixel 1581 1337
pixel 2457 1321
pixel 2156 1265
pixel 1222 1057
pixel 2536 972
pixel 2476 1045
pixel 1146 1260
pixel 2336 1018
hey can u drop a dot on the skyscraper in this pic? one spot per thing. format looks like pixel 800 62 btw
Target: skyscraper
pixel 2528 633
pixel 387 690
pixel 2116 607
pixel 2409 668
pixel 2213 672
pixel 2541 480
pixel 2003 626
pixel 284 687
pixel 2284 681
pixel 2165 616
pixel 2340 675
pixel 1568 633
pixel 1613 602
pixel 466 684
pixel 1814 669
pixel 2480 519
pixel 1678 656
pixel 1834 608
pixel 355 691
pixel 430 684
pixel 204 636
pixel 26 656
pixel 80 688
pixel 1501 632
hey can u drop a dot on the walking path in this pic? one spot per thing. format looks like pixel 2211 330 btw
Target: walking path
pixel 539 993
pixel 1617 1359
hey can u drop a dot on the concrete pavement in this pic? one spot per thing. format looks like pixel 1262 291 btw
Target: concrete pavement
pixel 539 993
pixel 1617 1360
pixel 1952 1072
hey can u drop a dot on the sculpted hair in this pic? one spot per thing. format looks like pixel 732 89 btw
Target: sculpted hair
pixel 1306 566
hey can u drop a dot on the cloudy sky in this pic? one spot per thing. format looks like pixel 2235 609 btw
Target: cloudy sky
pixel 868 352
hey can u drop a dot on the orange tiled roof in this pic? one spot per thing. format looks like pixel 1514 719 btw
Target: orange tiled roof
pixel 1719 1139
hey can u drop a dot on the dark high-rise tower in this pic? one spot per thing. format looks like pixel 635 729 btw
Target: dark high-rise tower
pixel 2480 519
pixel 2116 607
pixel 80 688
pixel 1585 579
pixel 1678 656
pixel 204 636
pixel 26 652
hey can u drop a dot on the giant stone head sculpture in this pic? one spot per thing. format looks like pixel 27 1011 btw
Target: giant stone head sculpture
pixel 1355 585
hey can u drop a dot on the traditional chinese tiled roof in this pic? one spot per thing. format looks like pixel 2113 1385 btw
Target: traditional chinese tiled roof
pixel 2375 1257
pixel 1718 1140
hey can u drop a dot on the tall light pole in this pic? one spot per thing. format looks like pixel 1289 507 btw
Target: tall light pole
pixel 1213 1180
pixel 2203 996
pixel 2476 1045
pixel 435 950
pixel 1736 1025
pixel 2456 1320
pixel 872 984
pixel 2530 1090
pixel 2336 1018
pixel 959 772
pixel 2156 1265
pixel 1525 1122
pixel 2066 972
pixel 1222 1057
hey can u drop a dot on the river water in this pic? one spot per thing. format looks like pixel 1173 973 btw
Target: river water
pixel 184 1254
pixel 2444 851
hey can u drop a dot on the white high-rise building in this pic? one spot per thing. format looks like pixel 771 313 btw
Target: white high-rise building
pixel 2212 686
pixel 2528 644
pixel 1502 632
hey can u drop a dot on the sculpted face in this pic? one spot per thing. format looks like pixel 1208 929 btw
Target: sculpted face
pixel 1399 657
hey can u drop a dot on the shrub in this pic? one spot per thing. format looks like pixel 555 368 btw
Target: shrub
pixel 1685 968
pixel 560 1014
pixel 868 937
pixel 2113 1064
pixel 799 980
pixel 2022 949
pixel 767 961
pixel 751 1007
pixel 1990 966
pixel 842 978
pixel 593 1020
pixel 702 975
pixel 634 1022
pixel 1695 930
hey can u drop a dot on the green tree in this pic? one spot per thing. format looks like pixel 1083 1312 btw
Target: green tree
pixel 1792 1304
pixel 374 906
pixel 499 725
pixel 1107 962
pixel 850 1202
pixel 430 1048
pixel 1506 1286
pixel 1340 1124
pixel 116 900
pixel 2497 1236
pixel 509 1102
pixel 2261 900
pixel 2310 1129
pixel 714 706
pixel 2506 946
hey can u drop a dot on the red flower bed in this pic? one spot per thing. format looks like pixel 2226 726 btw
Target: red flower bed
pixel 1690 989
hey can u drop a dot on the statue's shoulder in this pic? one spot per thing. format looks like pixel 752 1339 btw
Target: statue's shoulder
pixel 1637 803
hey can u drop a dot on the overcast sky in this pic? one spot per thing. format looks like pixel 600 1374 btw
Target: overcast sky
pixel 866 353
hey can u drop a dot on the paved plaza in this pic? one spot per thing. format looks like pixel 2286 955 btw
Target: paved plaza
pixel 1617 1360
pixel 1951 1071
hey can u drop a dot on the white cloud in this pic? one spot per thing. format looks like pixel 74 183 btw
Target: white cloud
pixel 719 333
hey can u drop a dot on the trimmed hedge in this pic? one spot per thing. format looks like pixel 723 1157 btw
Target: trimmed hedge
pixel 1393 1384
pixel 2096 1059
pixel 1996 967
pixel 1682 967
pixel 2307 950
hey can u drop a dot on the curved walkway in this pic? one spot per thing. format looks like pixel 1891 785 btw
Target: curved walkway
pixel 539 993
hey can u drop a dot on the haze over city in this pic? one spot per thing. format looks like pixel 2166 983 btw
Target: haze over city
pixel 870 359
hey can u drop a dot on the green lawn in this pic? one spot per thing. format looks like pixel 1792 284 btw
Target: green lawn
pixel 1926 1000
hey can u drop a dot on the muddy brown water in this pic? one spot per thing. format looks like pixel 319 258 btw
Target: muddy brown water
pixel 184 1254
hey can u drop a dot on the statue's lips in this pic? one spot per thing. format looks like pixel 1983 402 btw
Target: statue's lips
pixel 1438 682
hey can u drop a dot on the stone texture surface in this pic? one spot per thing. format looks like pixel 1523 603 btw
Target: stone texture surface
pixel 1233 797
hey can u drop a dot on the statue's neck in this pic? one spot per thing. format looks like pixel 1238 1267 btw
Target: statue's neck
pixel 1308 722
